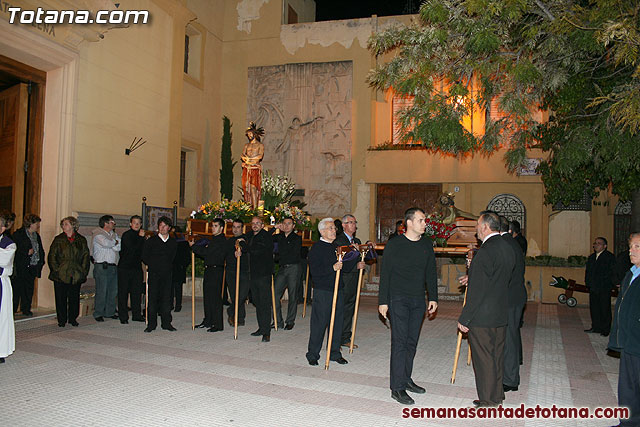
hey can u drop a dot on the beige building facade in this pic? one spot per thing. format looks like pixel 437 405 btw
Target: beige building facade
pixel 170 82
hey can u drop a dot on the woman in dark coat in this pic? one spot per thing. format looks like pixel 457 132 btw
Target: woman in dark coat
pixel 28 263
pixel 69 265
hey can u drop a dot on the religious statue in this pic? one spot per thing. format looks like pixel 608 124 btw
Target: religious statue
pixel 252 155
pixel 446 209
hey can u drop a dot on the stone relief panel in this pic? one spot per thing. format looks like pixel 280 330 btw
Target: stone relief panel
pixel 305 110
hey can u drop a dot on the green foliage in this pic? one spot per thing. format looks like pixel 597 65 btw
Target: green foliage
pixel 226 161
pixel 578 60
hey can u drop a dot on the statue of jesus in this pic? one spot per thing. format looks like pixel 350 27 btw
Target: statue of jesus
pixel 252 155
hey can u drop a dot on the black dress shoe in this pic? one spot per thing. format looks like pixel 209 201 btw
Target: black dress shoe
pixel 201 325
pixel 2 360
pixel 415 388
pixel 256 333
pixel 115 316
pixel 266 338
pixel 149 329
pixel 605 334
pixel 100 319
pixel 61 325
pixel 401 396
pixel 591 331
pixel 341 361
pixel 138 319
pixel 74 323
pixel 288 326
pixel 312 362
pixel 124 322
pixel 169 328
pixel 613 353
pixel 177 310
pixel 28 313
pixel 214 329
pixel 509 388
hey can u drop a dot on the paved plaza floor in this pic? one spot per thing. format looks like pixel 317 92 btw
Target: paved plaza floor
pixel 108 374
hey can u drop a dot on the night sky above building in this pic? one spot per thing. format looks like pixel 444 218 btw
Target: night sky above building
pixel 327 10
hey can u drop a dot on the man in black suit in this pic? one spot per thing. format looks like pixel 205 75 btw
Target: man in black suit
pixel 232 257
pixel 158 254
pixel 517 299
pixel 289 245
pixel 260 272
pixel 323 265
pixel 130 275
pixel 597 277
pixel 485 315
pixel 516 233
pixel 28 262
pixel 346 238
pixel 213 252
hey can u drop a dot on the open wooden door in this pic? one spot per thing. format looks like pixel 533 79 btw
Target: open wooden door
pixel 13 141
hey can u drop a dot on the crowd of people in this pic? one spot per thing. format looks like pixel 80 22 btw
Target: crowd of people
pixel 491 317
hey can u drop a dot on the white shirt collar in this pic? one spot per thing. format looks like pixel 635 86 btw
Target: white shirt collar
pixel 163 238
pixel 489 236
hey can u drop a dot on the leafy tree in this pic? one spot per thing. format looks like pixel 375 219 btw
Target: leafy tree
pixel 226 161
pixel 578 59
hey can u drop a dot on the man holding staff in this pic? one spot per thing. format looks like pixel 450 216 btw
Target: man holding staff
pixel 408 268
pixel 213 253
pixel 324 266
pixel 232 256
pixel 347 238
pixel 289 245
pixel 260 272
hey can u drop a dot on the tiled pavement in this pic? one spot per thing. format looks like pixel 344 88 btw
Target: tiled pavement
pixel 112 374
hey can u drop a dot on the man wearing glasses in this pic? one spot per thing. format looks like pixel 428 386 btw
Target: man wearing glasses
pixel 106 250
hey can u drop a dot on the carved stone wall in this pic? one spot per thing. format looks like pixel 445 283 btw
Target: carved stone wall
pixel 305 110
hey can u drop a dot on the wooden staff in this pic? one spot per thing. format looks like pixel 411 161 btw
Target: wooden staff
pixel 235 315
pixel 459 342
pixel 306 287
pixel 193 291
pixel 273 303
pixel 355 311
pixel 146 296
pixel 333 312
pixel 224 277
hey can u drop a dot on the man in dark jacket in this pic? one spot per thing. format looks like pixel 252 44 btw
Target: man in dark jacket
pixel 213 252
pixel 516 233
pixel 261 269
pixel 485 315
pixel 346 238
pixel 598 278
pixel 130 275
pixel 289 245
pixel 628 336
pixel 517 299
pixel 27 263
pixel 179 274
pixel 158 254
pixel 323 265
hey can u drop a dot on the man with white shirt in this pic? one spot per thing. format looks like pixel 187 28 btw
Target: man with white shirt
pixel 485 314
pixel 597 277
pixel 106 250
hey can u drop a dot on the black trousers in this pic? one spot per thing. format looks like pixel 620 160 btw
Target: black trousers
pixel 406 315
pixel 67 302
pixel 176 294
pixel 629 388
pixel 288 278
pixel 350 291
pixel 487 354
pixel 320 321
pixel 23 285
pixel 243 291
pixel 261 295
pixel 600 309
pixel 159 299
pixel 211 289
pixel 130 285
pixel 513 347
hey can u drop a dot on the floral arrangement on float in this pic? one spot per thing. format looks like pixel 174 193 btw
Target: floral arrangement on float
pixel 276 190
pixel 438 231
pixel 285 210
pixel 225 209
